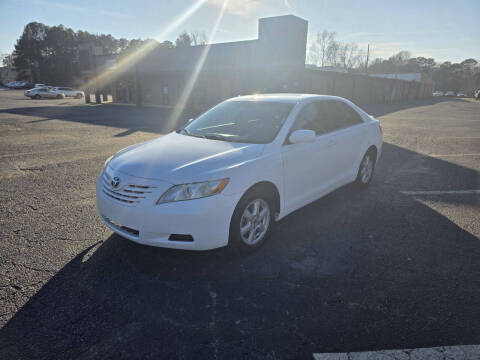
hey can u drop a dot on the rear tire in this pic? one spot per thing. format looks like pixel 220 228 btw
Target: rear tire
pixel 59 97
pixel 366 169
pixel 78 96
pixel 252 222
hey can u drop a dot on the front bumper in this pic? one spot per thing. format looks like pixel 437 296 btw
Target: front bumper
pixel 207 220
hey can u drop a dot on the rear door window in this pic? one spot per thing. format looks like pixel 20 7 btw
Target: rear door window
pixel 345 116
pixel 326 116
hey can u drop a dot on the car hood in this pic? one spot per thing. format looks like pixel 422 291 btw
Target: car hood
pixel 180 158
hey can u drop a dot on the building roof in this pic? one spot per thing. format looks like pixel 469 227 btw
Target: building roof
pixel 281 43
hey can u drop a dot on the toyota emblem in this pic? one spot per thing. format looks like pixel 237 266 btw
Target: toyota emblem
pixel 115 182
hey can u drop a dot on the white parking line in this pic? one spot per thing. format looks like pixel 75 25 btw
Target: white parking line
pixel 461 352
pixel 441 192
pixel 452 155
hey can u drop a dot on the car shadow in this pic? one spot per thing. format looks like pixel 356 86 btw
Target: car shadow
pixel 156 119
pixel 356 270
pixel 148 119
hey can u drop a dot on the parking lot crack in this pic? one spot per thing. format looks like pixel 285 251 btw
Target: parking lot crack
pixel 31 169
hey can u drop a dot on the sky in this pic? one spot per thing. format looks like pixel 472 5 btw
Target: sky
pixel 444 30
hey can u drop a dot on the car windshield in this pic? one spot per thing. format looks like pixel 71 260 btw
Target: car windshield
pixel 241 121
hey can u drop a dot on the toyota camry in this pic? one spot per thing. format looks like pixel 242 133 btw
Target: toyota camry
pixel 231 173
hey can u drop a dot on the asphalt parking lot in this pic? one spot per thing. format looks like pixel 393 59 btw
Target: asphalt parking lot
pixel 396 266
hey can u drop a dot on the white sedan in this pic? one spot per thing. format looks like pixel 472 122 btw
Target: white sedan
pixel 69 92
pixel 43 93
pixel 226 177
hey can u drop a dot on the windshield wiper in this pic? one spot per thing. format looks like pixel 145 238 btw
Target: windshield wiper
pixel 186 132
pixel 214 137
pixel 208 136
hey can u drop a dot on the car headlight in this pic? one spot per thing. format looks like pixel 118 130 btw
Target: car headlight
pixel 193 191
pixel 107 161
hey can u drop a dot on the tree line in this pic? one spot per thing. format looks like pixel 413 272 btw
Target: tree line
pixel 50 54
pixel 326 51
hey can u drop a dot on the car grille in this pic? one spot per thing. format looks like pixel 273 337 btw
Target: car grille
pixel 130 194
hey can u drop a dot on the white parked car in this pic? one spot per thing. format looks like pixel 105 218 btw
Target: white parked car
pixel 17 84
pixel 231 173
pixel 43 93
pixel 438 93
pixel 69 92
pixel 450 93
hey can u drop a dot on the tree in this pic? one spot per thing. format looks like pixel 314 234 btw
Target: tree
pixel 325 39
pixel 184 39
pixel 397 63
pixel 469 63
pixel 325 50
pixel 313 53
pixel 51 54
pixel 192 38
pixel 353 58
pixel 167 44
pixel 421 64
pixel 320 49
pixel 333 52
pixel 60 56
pixel 7 60
pixel 198 37
pixel 122 44
pixel 401 58
pixel 28 53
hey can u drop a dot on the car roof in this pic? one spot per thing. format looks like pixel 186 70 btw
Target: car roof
pixel 283 97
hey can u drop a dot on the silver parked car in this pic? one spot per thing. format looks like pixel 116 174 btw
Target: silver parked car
pixel 43 93
pixel 69 92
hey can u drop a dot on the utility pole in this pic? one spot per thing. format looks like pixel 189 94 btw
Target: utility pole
pixel 368 56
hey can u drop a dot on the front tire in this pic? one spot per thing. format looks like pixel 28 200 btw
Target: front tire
pixel 251 222
pixel 365 171
pixel 36 97
pixel 78 96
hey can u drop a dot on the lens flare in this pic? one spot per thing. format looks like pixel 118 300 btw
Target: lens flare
pixel 182 100
pixel 143 50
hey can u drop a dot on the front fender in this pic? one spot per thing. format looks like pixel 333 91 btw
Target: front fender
pixel 264 168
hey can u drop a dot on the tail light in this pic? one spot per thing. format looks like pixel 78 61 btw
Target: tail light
pixel 380 127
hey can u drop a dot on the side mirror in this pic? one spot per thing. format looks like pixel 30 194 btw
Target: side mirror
pixel 302 136
pixel 190 120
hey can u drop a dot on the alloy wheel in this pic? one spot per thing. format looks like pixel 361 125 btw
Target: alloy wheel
pixel 366 169
pixel 254 222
